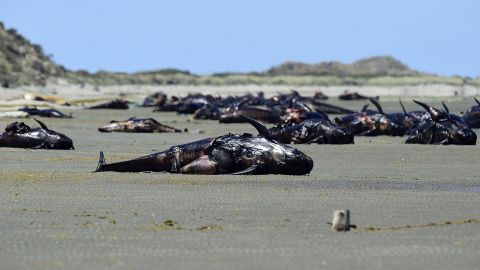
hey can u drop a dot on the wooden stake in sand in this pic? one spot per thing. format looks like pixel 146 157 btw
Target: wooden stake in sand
pixel 341 221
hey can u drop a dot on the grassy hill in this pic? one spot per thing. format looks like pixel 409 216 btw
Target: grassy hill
pixel 22 62
pixel 370 67
pixel 25 63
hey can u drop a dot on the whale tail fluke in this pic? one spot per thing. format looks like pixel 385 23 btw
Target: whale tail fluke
pixel 101 162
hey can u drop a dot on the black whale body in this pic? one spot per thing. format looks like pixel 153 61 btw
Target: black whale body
pixel 472 116
pixel 315 130
pixel 137 125
pixel 117 104
pixel 19 135
pixel 441 128
pixel 372 123
pixel 227 154
pixel 44 112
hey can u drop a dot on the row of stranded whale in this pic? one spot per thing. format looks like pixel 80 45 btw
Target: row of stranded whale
pixel 297 120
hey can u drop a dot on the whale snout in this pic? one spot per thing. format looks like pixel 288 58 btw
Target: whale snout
pixel 466 136
pixel 342 136
pixel 298 164
pixel 64 143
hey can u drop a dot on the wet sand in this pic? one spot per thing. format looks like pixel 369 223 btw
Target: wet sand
pixel 416 206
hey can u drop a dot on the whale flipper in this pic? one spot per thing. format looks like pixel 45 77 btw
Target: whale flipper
pixel 249 170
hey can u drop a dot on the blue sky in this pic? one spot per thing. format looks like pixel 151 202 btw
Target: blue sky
pixel 209 36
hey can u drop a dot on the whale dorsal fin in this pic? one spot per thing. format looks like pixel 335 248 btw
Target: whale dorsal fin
pixel 375 102
pixel 326 116
pixel 436 114
pixel 41 124
pixel 446 109
pixel 261 128
pixel 240 104
pixel 403 107
pixel 445 106
pixel 364 108
pixel 301 105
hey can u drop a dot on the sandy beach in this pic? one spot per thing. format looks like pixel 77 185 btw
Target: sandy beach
pixel 416 206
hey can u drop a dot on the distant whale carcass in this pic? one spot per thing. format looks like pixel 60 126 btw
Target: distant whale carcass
pixel 138 125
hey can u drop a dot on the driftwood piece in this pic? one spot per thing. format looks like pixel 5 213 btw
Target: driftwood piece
pixel 341 221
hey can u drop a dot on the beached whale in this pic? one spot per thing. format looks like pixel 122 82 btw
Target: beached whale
pixel 34 111
pixel 227 154
pixel 268 115
pixel 441 128
pixel 315 130
pixel 371 123
pixel 347 95
pixel 20 135
pixel 138 125
pixel 118 104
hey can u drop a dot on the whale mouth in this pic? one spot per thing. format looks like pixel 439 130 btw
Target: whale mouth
pixel 299 164
pixel 342 137
pixel 466 136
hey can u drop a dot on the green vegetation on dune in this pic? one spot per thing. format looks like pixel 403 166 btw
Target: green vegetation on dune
pixel 22 62
pixel 119 78
pixel 25 63
pixel 369 67
pixel 310 80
